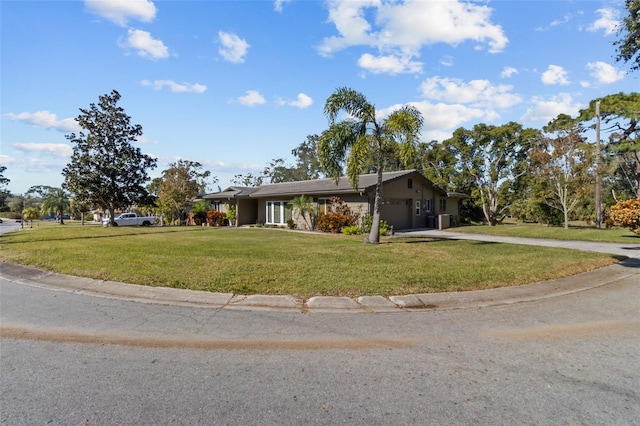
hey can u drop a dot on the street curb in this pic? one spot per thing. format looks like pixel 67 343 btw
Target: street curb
pixel 34 277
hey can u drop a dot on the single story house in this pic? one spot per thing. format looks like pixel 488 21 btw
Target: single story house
pixel 409 200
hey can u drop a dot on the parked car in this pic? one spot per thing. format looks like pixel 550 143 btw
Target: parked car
pixel 130 219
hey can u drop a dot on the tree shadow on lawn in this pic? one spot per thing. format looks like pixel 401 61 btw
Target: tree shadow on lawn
pixel 422 240
pixel 91 237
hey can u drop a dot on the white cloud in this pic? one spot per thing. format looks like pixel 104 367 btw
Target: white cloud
pixel 403 28
pixel 147 46
pixel 474 92
pixel 447 61
pixel 608 21
pixel 175 87
pixel 508 72
pixel 252 97
pixel 6 160
pixel 46 120
pixel 121 11
pixel 441 119
pixel 546 109
pixel 233 49
pixel 59 150
pixel 303 101
pixel 604 73
pixel 277 4
pixel 389 64
pixel 566 18
pixel 555 74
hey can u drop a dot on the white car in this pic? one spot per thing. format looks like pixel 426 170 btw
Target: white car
pixel 130 219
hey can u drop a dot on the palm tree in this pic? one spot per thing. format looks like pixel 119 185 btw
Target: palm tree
pixel 30 214
pixel 361 136
pixel 304 206
pixel 55 201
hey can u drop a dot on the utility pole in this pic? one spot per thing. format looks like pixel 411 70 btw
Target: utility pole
pixel 598 171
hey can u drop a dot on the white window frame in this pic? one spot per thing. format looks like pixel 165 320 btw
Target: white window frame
pixel 417 207
pixel 270 212
pixel 428 205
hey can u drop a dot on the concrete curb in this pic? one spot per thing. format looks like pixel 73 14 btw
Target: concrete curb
pixel 365 304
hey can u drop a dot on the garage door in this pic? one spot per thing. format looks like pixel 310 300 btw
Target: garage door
pixel 397 213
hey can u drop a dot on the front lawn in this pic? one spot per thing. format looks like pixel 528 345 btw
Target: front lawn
pixel 270 261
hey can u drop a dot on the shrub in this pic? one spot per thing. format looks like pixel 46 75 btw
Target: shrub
pixel 291 224
pixel 352 230
pixel 332 222
pixel 367 221
pixel 215 218
pixel 199 212
pixel 338 217
pixel 626 214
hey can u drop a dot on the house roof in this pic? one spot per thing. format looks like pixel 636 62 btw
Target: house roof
pixel 231 192
pixel 312 187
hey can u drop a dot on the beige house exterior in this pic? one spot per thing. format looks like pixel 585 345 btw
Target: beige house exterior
pixel 409 200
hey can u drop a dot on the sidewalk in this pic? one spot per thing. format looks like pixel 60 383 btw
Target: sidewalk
pixel 627 250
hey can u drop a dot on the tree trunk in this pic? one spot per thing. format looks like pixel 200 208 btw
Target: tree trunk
pixel 637 173
pixel 112 216
pixel 374 235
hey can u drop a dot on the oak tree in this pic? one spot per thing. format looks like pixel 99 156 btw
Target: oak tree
pixel 106 170
pixel 493 158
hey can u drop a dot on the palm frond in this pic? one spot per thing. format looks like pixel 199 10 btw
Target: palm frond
pixel 333 145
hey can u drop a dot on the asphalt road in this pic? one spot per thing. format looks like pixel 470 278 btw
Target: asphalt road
pixel 69 359
pixel 9 225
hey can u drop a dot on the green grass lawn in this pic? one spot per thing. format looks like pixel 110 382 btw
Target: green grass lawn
pixel 271 261
pixel 576 232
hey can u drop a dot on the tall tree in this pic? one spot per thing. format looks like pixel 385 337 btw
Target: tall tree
pixel 307 163
pixel 493 157
pixel 4 193
pixel 563 166
pixel 179 185
pixel 362 136
pixel 3 180
pixel 620 114
pixel 247 180
pixel 628 46
pixel 277 172
pixel 55 201
pixel 106 170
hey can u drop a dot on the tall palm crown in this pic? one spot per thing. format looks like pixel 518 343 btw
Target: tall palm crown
pixel 56 201
pixel 361 137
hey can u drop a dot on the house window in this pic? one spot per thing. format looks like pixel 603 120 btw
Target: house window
pixel 277 213
pixel 443 205
pixel 410 183
pixel 428 205
pixel 418 208
pixel 324 205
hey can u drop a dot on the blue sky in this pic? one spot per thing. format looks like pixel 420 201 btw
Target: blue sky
pixel 234 84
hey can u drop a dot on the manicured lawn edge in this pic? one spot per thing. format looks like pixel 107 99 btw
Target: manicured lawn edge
pixel 273 261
